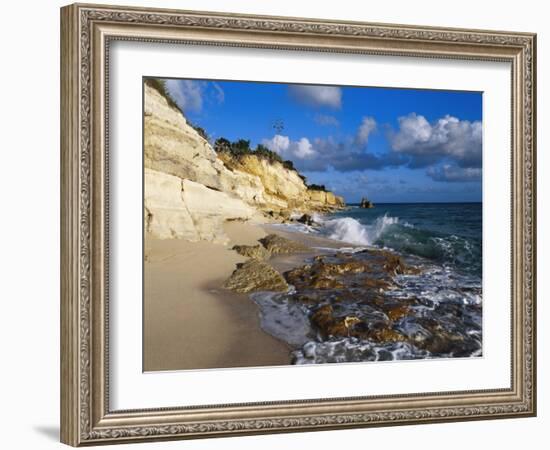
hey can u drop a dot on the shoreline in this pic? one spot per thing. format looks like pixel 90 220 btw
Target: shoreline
pixel 318 245
pixel 200 324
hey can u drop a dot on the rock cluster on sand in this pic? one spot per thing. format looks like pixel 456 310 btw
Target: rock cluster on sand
pixel 247 277
pixel 276 244
pixel 342 278
pixel 190 190
pixel 254 275
pixel 351 326
pixel 350 296
pixel 257 251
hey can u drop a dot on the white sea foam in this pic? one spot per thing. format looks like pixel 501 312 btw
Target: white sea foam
pixel 350 230
pixel 345 229
pixel 350 250
pixel 282 318
pixel 354 350
pixel 296 227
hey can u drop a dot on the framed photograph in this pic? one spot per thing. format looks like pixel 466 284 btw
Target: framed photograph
pixel 278 224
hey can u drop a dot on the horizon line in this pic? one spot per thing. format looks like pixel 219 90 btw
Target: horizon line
pixel 404 203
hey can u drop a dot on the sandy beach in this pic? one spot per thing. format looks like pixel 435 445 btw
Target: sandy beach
pixel 190 321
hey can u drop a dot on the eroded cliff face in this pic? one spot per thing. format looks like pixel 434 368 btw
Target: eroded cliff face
pixel 184 209
pixel 190 190
pixel 325 200
pixel 283 189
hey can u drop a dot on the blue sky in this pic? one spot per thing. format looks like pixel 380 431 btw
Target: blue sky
pixel 391 145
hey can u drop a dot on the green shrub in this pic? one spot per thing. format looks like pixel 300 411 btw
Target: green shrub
pixel 317 187
pixel 222 145
pixel 242 147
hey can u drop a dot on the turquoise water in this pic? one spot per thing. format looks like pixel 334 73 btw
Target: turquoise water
pixel 449 234
pixel 443 240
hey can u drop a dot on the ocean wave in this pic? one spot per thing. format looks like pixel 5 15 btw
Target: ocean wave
pixel 453 250
pixel 393 233
pixel 348 229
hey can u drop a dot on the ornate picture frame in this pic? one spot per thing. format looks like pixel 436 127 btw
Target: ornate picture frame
pixel 87 32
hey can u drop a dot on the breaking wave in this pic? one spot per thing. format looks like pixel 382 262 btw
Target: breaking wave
pixel 393 233
pixel 348 229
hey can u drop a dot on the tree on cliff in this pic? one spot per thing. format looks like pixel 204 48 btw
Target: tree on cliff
pixel 317 187
pixel 222 145
pixel 242 147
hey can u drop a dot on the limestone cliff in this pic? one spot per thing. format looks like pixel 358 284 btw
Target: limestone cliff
pixel 184 209
pixel 283 188
pixel 190 190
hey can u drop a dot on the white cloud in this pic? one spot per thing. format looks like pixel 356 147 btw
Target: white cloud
pixel 278 144
pixel 317 96
pixel 302 148
pixel 368 125
pixel 459 140
pixel 343 155
pixel 288 149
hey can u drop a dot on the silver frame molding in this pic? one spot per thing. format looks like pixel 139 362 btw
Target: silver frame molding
pixel 86 32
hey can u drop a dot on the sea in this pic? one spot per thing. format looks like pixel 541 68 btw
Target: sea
pixel 449 234
pixel 444 240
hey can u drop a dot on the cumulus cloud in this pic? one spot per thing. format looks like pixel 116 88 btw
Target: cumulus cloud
pixel 190 95
pixel 450 173
pixel 288 149
pixel 316 96
pixel 326 120
pixel 343 155
pixel 449 148
pixel 325 154
pixel 427 143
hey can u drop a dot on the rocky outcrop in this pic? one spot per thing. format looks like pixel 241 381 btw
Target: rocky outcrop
pixel 276 244
pixel 365 203
pixel 284 188
pixel 253 276
pixel 306 219
pixel 252 251
pixel 190 190
pixel 324 200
